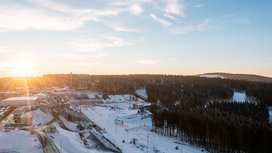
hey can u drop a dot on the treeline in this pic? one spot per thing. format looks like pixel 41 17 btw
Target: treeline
pixel 166 88
pixel 196 90
pixel 202 111
pixel 220 127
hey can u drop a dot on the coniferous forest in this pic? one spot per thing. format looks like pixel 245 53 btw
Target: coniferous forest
pixel 198 110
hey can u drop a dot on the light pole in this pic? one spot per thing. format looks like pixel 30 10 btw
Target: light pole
pixel 180 145
pixel 127 133
pixel 108 120
pixel 147 141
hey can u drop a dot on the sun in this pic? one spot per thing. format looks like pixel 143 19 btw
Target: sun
pixel 23 69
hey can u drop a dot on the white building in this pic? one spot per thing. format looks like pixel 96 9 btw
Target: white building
pixel 20 101
pixel 41 96
pixel 139 105
pixel 25 119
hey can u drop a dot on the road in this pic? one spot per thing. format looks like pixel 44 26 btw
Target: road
pixel 48 145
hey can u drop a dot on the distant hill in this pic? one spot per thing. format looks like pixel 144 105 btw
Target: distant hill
pixel 248 77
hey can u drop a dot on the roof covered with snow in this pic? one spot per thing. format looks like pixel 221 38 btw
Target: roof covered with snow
pixel 40 95
pixel 139 103
pixel 26 98
pixel 142 93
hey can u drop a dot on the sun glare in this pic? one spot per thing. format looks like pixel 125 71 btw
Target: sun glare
pixel 23 69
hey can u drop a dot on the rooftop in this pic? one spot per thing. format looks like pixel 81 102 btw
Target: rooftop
pixel 26 98
pixel 139 103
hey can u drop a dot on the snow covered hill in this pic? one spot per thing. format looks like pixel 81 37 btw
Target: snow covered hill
pixel 211 76
pixel 247 77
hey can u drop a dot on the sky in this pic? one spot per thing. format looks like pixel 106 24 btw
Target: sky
pixel 183 37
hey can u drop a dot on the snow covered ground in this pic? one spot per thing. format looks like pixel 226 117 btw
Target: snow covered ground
pixel 66 141
pixel 239 97
pixel 88 94
pixel 270 114
pixel 211 76
pixel 120 98
pixel 39 118
pixel 93 95
pixel 126 124
pixel 70 142
pixel 70 125
pixel 142 93
pixel 19 141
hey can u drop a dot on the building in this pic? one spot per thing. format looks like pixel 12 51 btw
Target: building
pixel 41 96
pixel 71 115
pixel 57 89
pixel 51 129
pixel 20 101
pixel 20 116
pixel 24 119
pixel 7 94
pixel 139 105
pixel 24 90
pixel 75 103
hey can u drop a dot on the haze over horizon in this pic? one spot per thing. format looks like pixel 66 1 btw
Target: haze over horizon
pixel 184 37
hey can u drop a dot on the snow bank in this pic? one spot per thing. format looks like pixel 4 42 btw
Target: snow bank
pixel 39 117
pixel 142 93
pixel 70 125
pixel 93 95
pixel 69 142
pixel 19 141
pixel 66 141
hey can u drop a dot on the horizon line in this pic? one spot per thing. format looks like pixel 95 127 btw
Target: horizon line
pixel 166 74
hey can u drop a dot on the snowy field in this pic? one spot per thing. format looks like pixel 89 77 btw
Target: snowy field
pixel 239 97
pixel 19 141
pixel 124 124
